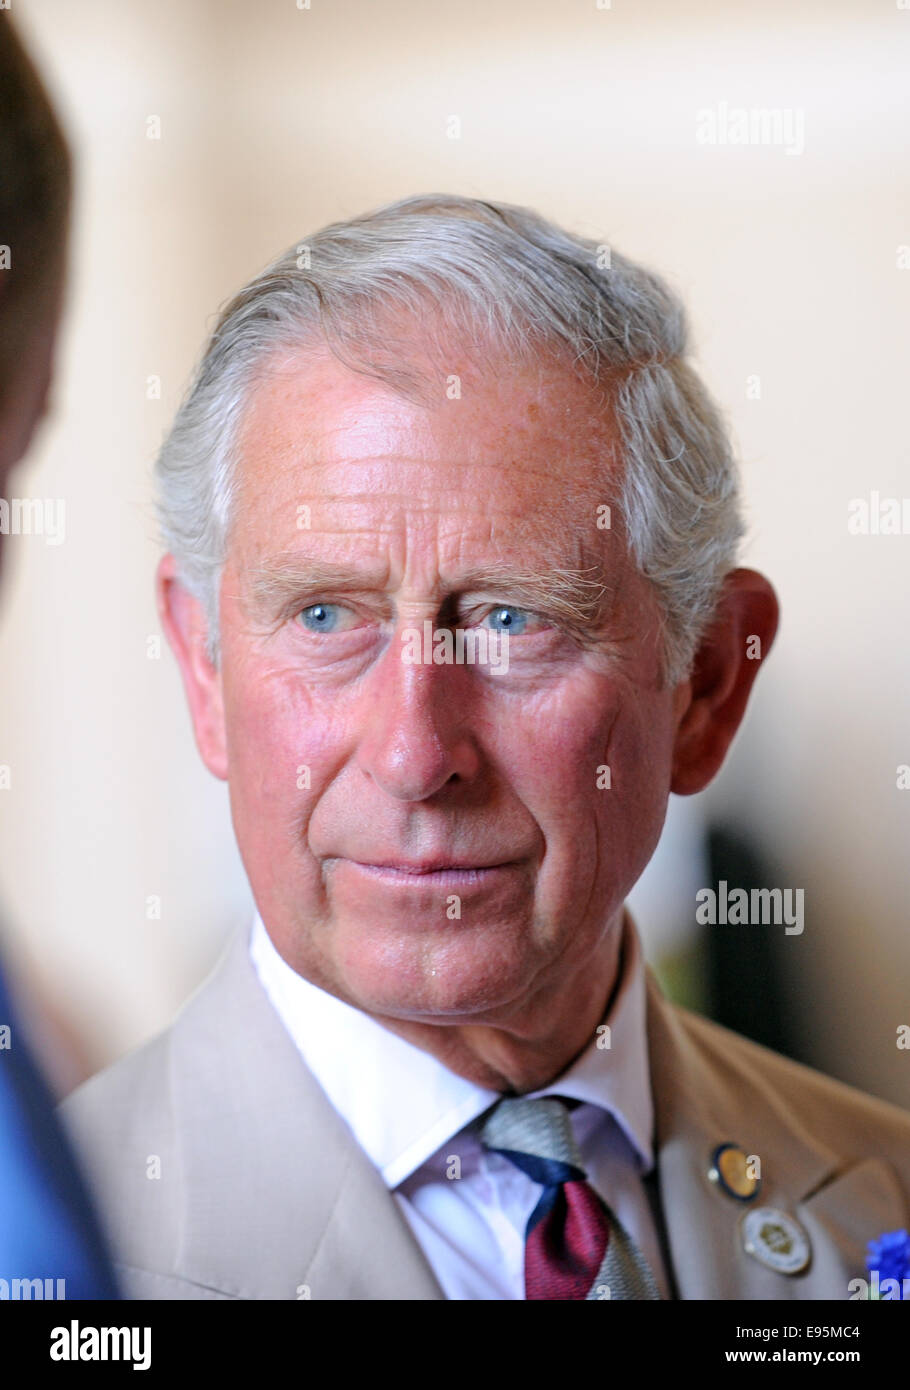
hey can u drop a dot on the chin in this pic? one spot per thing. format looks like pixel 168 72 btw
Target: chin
pixel 456 980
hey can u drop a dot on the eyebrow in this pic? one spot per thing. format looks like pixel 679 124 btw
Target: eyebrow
pixel 579 597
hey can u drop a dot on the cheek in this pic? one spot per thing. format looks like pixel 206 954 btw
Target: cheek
pixel 632 809
pixel 593 766
pixel 556 752
pixel 279 747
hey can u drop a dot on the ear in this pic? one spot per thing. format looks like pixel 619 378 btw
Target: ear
pixel 712 702
pixel 183 619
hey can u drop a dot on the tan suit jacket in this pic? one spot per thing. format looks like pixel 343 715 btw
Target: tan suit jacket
pixel 222 1171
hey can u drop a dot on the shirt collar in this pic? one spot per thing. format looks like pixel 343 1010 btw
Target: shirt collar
pixel 402 1104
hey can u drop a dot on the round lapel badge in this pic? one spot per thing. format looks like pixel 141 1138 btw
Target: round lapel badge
pixel 776 1239
pixel 731 1171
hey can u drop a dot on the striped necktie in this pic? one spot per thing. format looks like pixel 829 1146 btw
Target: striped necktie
pixel 575 1248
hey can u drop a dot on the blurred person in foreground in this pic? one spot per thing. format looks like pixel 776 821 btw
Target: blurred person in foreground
pixel 451 581
pixel 50 1243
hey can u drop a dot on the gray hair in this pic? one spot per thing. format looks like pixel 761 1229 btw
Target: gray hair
pixel 521 282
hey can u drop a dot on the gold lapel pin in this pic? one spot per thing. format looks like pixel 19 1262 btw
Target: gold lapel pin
pixel 735 1172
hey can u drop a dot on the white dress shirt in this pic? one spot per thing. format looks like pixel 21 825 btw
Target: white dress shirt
pixel 416 1121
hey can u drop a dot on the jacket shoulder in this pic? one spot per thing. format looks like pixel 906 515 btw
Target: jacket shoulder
pixel 853 1123
pixel 117 1095
pixel 121 1123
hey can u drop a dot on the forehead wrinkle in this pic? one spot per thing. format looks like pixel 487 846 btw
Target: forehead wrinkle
pixel 352 431
pixel 282 450
pixel 325 418
pixel 570 506
pixel 577 478
pixel 317 443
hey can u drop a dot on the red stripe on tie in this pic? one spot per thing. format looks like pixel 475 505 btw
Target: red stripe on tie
pixel 564 1252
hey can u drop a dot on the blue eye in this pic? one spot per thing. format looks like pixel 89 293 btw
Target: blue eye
pixel 510 620
pixel 319 617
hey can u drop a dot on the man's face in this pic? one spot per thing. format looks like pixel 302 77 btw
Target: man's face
pixel 352 771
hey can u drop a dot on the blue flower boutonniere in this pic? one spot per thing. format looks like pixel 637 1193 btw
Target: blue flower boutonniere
pixel 888 1262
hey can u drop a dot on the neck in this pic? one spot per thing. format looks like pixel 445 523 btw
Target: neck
pixel 528 1051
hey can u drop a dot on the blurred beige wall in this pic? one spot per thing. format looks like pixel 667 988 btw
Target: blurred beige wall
pixel 275 119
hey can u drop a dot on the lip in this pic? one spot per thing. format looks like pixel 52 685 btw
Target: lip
pixel 426 866
pixel 433 872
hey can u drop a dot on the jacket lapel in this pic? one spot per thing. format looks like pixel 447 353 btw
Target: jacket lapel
pixel 309 1215
pixel 706 1094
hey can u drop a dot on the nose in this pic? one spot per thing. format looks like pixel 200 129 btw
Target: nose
pixel 416 725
